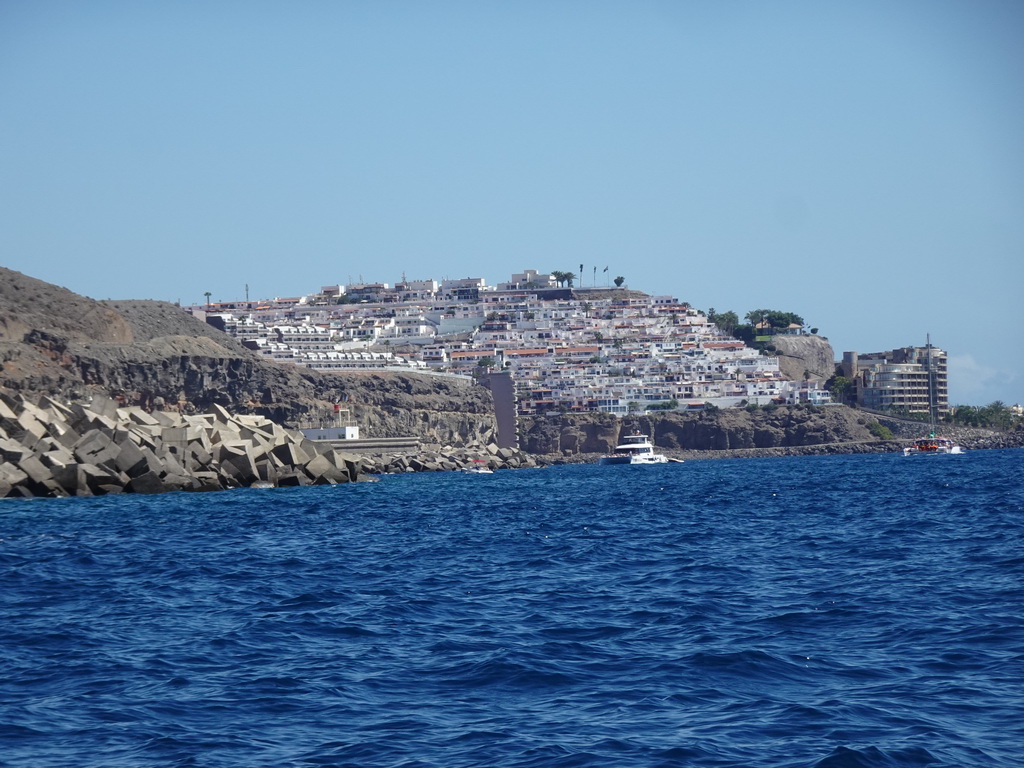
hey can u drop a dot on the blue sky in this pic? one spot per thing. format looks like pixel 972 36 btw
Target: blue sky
pixel 859 163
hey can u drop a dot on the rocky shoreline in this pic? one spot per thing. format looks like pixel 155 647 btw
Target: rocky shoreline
pixel 448 459
pixel 969 439
pixel 741 433
pixel 50 449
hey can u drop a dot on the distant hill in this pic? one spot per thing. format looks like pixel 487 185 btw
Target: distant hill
pixel 27 305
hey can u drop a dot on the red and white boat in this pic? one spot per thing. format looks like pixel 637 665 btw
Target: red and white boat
pixel 932 446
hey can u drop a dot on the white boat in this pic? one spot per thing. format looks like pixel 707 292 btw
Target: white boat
pixel 932 446
pixel 479 467
pixel 635 449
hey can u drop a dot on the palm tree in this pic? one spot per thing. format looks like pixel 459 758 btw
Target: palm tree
pixel 207 295
pixel 564 277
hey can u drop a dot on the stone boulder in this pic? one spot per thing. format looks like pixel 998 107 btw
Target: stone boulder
pixel 805 354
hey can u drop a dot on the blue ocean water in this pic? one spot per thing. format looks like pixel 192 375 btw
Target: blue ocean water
pixel 820 612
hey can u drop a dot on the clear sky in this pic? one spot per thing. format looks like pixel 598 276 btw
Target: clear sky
pixel 859 163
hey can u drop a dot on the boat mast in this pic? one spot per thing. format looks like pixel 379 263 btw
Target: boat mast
pixel 931 386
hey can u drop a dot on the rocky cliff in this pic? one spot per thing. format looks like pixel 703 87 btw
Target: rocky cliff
pixel 733 429
pixel 772 431
pixel 152 354
pixel 805 355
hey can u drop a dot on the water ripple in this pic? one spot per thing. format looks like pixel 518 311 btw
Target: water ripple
pixel 820 612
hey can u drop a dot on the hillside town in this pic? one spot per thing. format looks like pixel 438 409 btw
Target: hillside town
pixel 566 349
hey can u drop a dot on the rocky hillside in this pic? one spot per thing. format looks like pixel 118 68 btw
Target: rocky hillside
pixel 154 355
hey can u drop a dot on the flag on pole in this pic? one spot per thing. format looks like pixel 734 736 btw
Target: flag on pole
pixel 606 269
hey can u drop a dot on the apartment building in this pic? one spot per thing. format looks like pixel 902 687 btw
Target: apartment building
pixel 913 379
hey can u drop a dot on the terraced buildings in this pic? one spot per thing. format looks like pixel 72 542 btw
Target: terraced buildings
pixel 611 350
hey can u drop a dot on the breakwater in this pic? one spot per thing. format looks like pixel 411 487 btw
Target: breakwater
pixel 51 449
pixel 448 458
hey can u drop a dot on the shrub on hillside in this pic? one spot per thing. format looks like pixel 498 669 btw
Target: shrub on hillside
pixel 880 431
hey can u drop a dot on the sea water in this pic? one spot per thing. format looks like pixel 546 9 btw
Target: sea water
pixel 817 612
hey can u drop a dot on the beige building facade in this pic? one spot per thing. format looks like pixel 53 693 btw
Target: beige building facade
pixel 913 379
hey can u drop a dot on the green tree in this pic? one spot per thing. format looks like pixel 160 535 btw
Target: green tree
pixel 997 415
pixel 564 278
pixel 619 281
pixel 207 295
pixel 745 333
pixel 839 386
pixel 773 317
pixel 726 321
pixel 962 415
pixel 665 405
